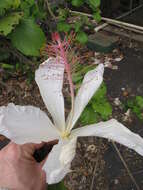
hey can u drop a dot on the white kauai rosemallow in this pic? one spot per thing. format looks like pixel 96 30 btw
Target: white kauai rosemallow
pixel 24 124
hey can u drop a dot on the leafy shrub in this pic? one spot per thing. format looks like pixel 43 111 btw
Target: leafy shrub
pixel 18 23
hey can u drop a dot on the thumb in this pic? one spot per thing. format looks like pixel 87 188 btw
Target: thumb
pixel 43 162
pixel 30 148
pixel 47 149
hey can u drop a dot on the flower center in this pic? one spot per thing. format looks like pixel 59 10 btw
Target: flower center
pixel 65 134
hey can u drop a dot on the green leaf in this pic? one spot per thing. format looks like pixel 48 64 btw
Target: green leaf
pixel 82 37
pixel 7 4
pixel 28 37
pixel 8 23
pixel 25 7
pixel 136 105
pixel 84 20
pixel 94 4
pixel 76 77
pixel 63 27
pixel 77 3
pixel 139 101
pixel 38 12
pixel 77 26
pixel 130 103
pixel 102 107
pixel 89 116
pixel 34 9
pixel 59 186
pixel 100 104
pixel 7 66
pixel 63 13
pixel 97 16
pixel 101 92
pixel 136 109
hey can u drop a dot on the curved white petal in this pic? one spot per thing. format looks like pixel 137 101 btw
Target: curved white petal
pixel 91 82
pixel 24 124
pixel 115 131
pixel 59 160
pixel 49 78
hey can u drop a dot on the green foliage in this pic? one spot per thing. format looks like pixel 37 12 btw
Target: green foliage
pixel 59 186
pixel 28 37
pixel 136 105
pixel 97 16
pixel 94 4
pixel 100 103
pixel 102 107
pixel 7 4
pixel 98 108
pixel 82 37
pixel 139 101
pixel 63 14
pixel 18 23
pixel 79 26
pixel 8 23
pixel 32 9
pixel 81 70
pixel 6 66
pixel 19 26
pixel 89 116
pixel 63 27
pixel 101 93
pixel 77 3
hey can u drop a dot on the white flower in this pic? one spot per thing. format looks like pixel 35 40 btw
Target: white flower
pixel 23 124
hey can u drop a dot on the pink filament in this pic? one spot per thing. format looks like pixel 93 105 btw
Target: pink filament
pixel 60 48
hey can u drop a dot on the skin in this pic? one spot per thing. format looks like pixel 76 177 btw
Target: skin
pixel 18 168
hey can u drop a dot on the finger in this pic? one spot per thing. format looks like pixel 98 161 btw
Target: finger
pixel 49 147
pixel 38 150
pixel 41 164
pixel 43 180
pixel 35 146
pixel 31 147
pixel 54 142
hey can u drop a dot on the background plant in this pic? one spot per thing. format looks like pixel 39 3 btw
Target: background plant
pixel 18 23
pixel 26 24
pixel 136 105
pixel 78 22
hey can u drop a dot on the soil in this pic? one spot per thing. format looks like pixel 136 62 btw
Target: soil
pixel 97 165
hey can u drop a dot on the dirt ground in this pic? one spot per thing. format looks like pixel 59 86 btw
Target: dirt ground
pixel 97 165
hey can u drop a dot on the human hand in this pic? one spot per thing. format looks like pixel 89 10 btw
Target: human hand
pixel 18 168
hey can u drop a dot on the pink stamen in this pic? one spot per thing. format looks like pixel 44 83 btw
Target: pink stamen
pixel 60 48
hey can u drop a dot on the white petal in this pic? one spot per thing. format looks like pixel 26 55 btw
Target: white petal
pixel 115 131
pixel 49 78
pixel 24 124
pixel 59 161
pixel 90 85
